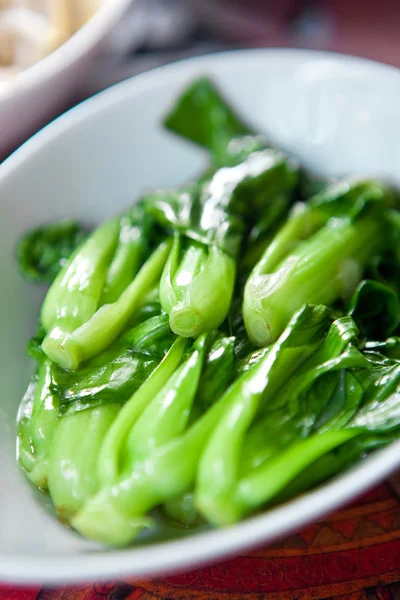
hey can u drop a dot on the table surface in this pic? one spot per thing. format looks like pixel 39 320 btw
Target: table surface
pixel 353 554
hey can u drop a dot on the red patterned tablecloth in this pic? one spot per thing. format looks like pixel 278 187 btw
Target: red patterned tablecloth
pixel 352 555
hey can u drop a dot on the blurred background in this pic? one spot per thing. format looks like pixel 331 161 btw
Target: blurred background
pixel 155 32
pixel 160 31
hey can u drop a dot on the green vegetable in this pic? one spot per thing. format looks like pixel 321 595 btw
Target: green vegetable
pixel 151 469
pixel 73 340
pixel 264 483
pixel 219 468
pixel 388 348
pixel 379 415
pixel 317 257
pixel 133 248
pixel 44 251
pixel 113 375
pixel 203 116
pixel 218 372
pixel 197 292
pixel 75 446
pixel 168 414
pixel 37 421
pixel 316 418
pixel 182 511
pixel 218 211
pixel 75 294
pixel 116 514
pixel 111 456
pixel 331 464
pixel 376 308
pixel 215 349
pixel 88 400
pixel 209 221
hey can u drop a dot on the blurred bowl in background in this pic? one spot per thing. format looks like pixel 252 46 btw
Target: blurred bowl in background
pixel 45 89
pixel 367 29
pixel 248 21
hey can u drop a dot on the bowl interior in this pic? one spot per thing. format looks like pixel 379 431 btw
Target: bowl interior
pixel 339 115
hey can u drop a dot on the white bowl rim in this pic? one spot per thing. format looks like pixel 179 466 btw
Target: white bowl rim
pixel 212 545
pixel 65 55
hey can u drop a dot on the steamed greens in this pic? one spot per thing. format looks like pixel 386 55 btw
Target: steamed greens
pixel 217 348
pixel 44 251
pixel 210 220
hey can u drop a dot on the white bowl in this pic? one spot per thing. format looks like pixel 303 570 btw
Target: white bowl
pixel 39 93
pixel 338 114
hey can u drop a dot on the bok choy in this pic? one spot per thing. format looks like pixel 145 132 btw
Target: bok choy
pixel 214 349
